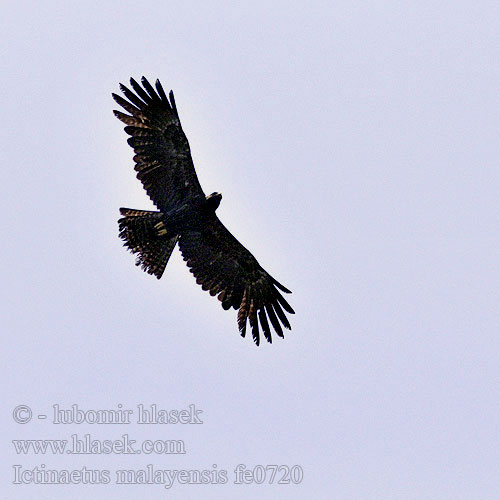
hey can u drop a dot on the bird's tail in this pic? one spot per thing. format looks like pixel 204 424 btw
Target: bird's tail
pixel 145 235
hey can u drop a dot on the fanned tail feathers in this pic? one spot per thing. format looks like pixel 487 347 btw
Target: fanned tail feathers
pixel 144 234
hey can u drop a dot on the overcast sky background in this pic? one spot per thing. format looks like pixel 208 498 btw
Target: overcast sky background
pixel 356 147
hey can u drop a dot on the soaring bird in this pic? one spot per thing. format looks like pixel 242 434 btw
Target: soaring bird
pixel 219 262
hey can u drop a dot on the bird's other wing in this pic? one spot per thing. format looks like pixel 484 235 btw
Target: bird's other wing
pixel 162 156
pixel 223 266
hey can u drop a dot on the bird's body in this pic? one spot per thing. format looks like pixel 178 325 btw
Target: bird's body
pixel 187 217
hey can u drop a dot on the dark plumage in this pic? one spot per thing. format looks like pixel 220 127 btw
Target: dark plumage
pixel 219 262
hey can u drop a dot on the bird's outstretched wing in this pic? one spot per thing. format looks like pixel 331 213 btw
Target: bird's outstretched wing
pixel 222 265
pixel 162 156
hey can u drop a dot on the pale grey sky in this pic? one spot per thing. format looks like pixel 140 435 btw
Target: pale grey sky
pixel 356 148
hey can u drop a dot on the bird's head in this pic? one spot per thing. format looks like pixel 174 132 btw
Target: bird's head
pixel 213 200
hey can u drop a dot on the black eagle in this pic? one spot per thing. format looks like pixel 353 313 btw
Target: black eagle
pixel 219 262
